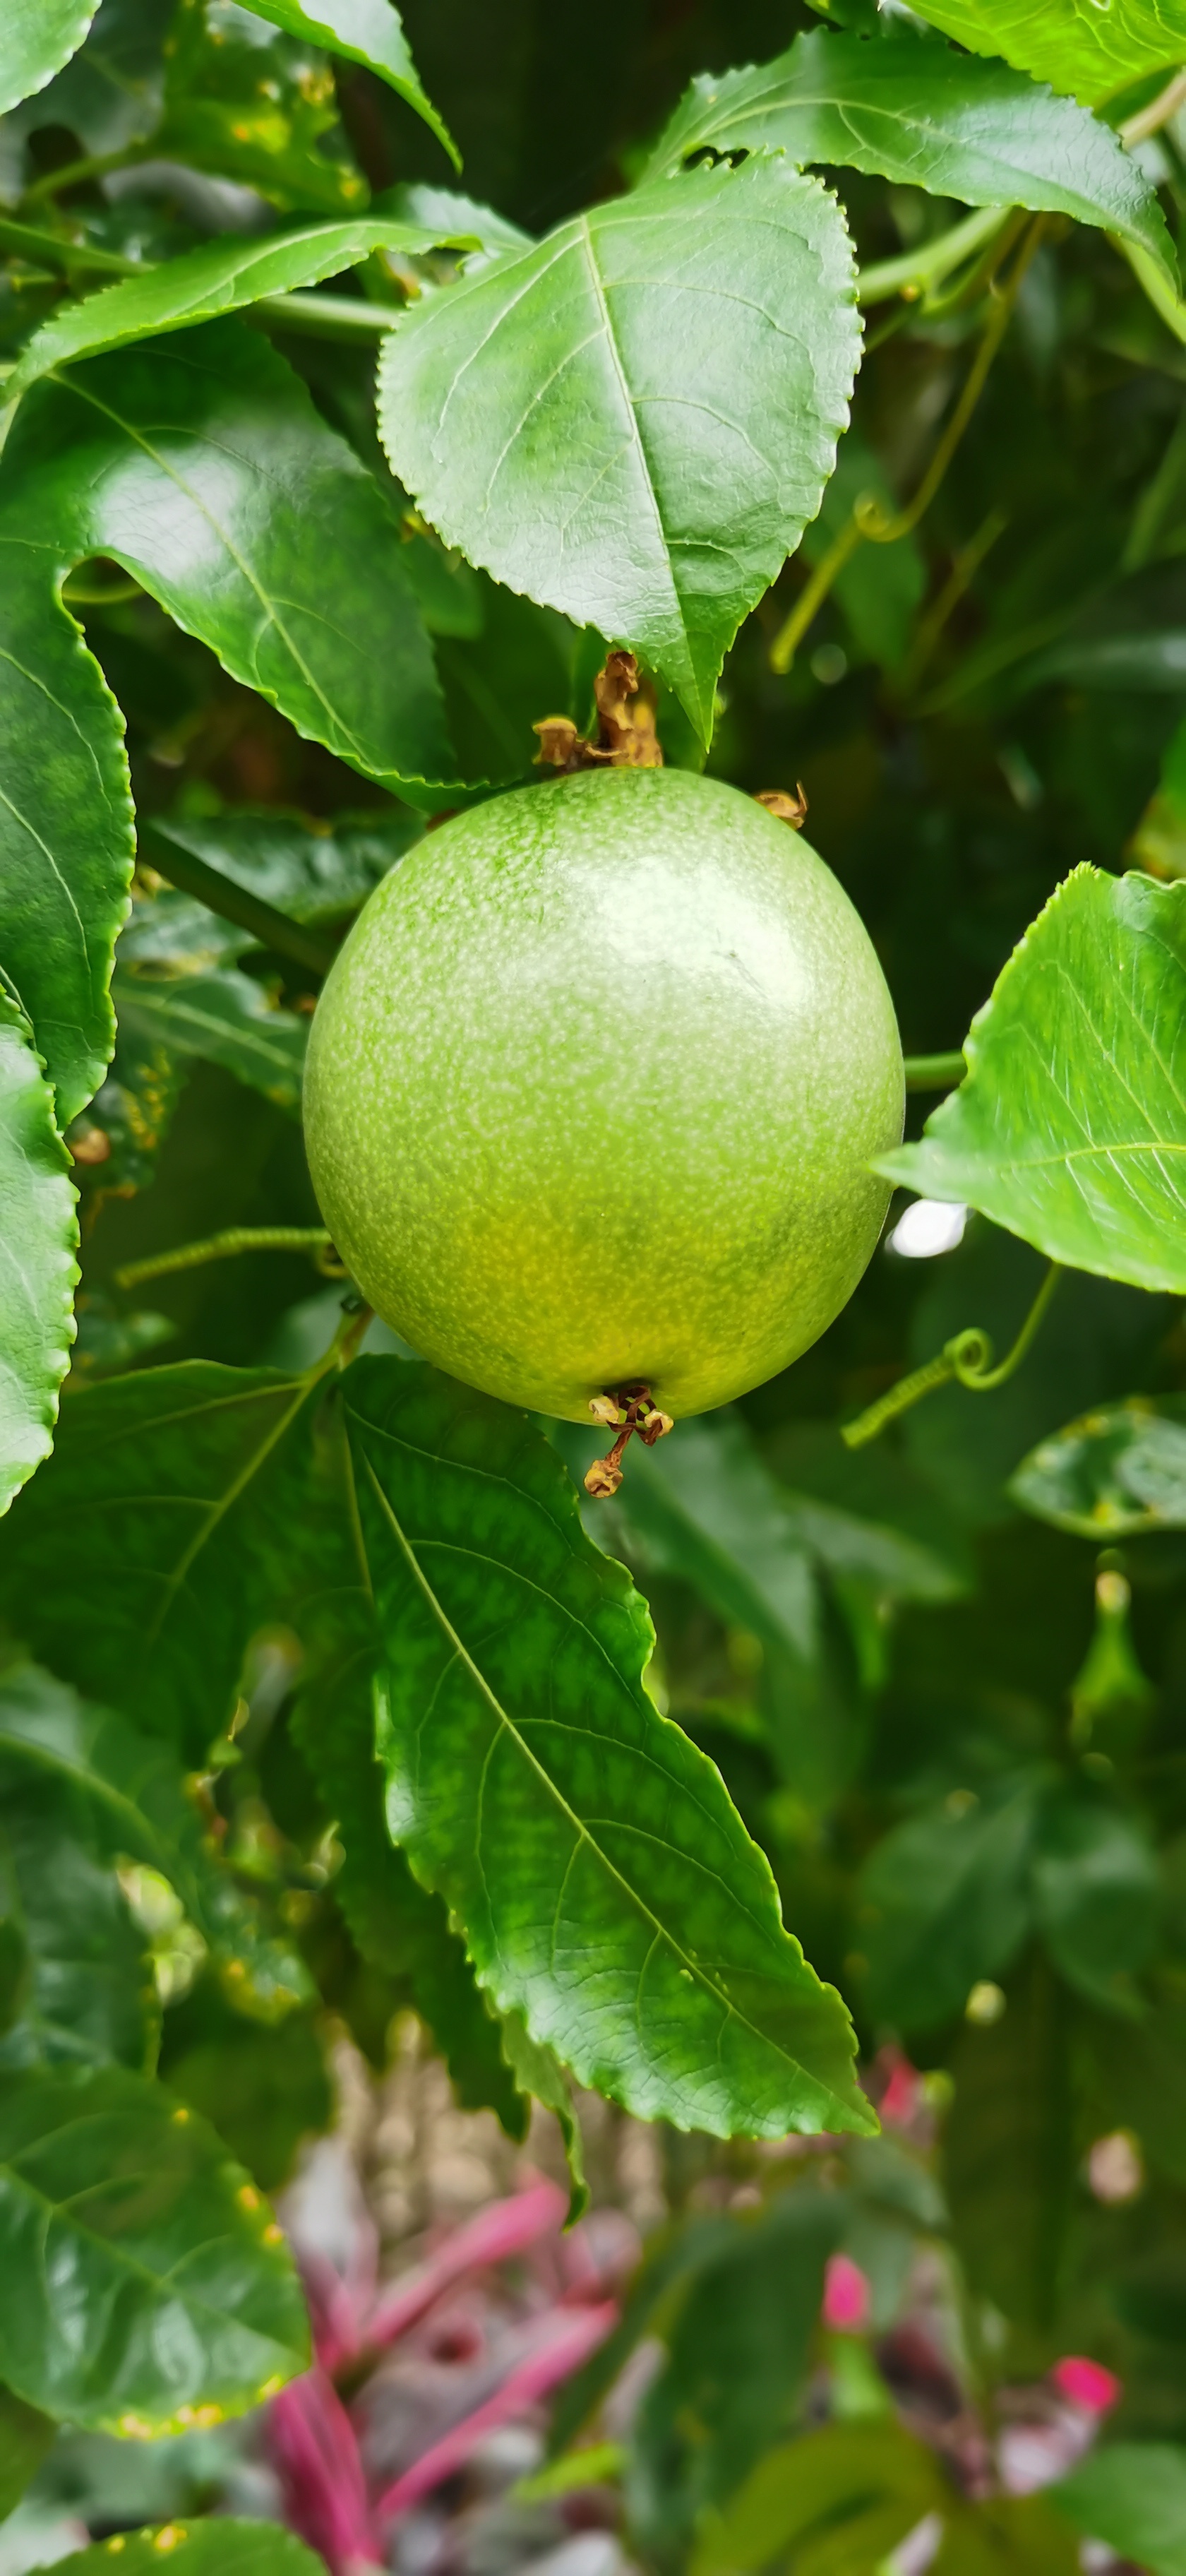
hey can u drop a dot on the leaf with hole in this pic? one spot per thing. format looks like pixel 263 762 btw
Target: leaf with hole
pixel 634 420
pixel 183 2295
pixel 38 1269
pixel 362 31
pixel 924 116
pixel 1070 1126
pixel 608 1890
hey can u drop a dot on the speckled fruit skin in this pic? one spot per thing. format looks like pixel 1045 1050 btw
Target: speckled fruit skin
pixel 592 1090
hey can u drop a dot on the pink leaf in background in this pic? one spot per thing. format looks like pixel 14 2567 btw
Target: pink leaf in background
pixel 578 2333
pixel 509 2227
pixel 846 2295
pixel 315 2454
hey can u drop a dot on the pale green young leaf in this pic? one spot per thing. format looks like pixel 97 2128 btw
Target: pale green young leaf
pixel 224 1017
pixel 634 421
pixel 866 2484
pixel 1115 1473
pixel 1078 46
pixel 453 215
pixel 182 2292
pixel 1132 2495
pixel 223 276
pixel 38 1268
pixel 363 31
pixel 925 117
pixel 39 36
pixel 1070 1127
pixel 607 1889
pixel 213 2547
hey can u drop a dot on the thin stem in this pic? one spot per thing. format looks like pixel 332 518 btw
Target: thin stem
pixel 935 1072
pixel 30 240
pixel 933 260
pixel 966 1358
pixel 963 572
pixel 330 317
pixel 811 599
pixel 312 1239
pixel 236 903
pixel 1149 120
pixel 93 165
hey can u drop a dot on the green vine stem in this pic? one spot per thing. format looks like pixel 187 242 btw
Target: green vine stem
pixel 236 903
pixel 312 1239
pixel 932 261
pixel 966 1358
pixel 935 1072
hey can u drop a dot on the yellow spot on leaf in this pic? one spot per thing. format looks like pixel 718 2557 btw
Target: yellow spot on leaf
pixel 248 2197
pixel 171 2537
pixel 273 2235
pixel 134 2428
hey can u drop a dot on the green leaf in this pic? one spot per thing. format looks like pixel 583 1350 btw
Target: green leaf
pixel 228 1019
pixel 212 2548
pixel 607 1888
pixel 223 276
pixel 154 1520
pixel 263 2090
pixel 86 1994
pixel 1073 43
pixel 634 421
pixel 39 36
pixel 737 2355
pixel 364 31
pixel 925 117
pixel 1070 1128
pixel 109 94
pixel 181 2297
pixel 1114 1473
pixel 1142 2069
pixel 452 214
pixel 1097 1894
pixel 540 2078
pixel 1009 2155
pixel 38 1270
pixel 1133 2495
pixel 862 2485
pixel 314 874
pixel 944 1902
pixel 25 2437
pixel 132 1793
pixel 256 107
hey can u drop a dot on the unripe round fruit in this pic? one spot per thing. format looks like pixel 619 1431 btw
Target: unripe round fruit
pixel 592 1092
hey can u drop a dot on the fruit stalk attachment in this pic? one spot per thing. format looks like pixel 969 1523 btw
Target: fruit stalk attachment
pixel 625 736
pixel 629 1409
pixel 967 1358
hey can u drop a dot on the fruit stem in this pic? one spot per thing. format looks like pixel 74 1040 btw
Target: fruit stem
pixel 635 1409
pixel 935 1072
pixel 312 1239
pixel 967 1357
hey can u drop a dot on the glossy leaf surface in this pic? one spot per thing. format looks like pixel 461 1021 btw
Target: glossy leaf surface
pixel 1070 1128
pixel 167 1474
pixel 1112 1474
pixel 1132 2495
pixel 38 1269
pixel 226 1018
pixel 84 1992
pixel 363 31
pixel 1073 43
pixel 180 2297
pixel 39 36
pixel 313 875
pixel 218 2547
pixel 607 1888
pixel 634 421
pixel 927 117
pixel 221 277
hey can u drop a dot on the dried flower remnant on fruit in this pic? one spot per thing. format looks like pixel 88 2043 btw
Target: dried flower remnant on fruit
pixel 785 807
pixel 631 1407
pixel 625 737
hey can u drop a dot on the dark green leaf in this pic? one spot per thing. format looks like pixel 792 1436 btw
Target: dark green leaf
pixel 38 1270
pixel 221 277
pixel 634 422
pixel 1142 2067
pixel 1009 2152
pixel 880 588
pixel 256 107
pixel 1097 1894
pixel 944 1902
pixel 607 1889
pixel 130 1791
pixel 857 2487
pixel 312 873
pixel 183 2297
pixel 154 1517
pixel 364 31
pixel 212 2548
pixel 1070 1128
pixel 737 2355
pixel 926 117
pixel 1132 2495
pixel 539 2077
pixel 133 1108
pixel 25 2437
pixel 225 1017
pixel 263 2090
pixel 1075 44
pixel 86 1994
pixel 39 36
pixel 1113 1473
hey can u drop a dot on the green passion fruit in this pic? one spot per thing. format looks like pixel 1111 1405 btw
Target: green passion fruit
pixel 593 1089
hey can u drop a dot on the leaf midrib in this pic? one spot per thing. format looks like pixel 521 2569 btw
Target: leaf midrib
pixel 579 1829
